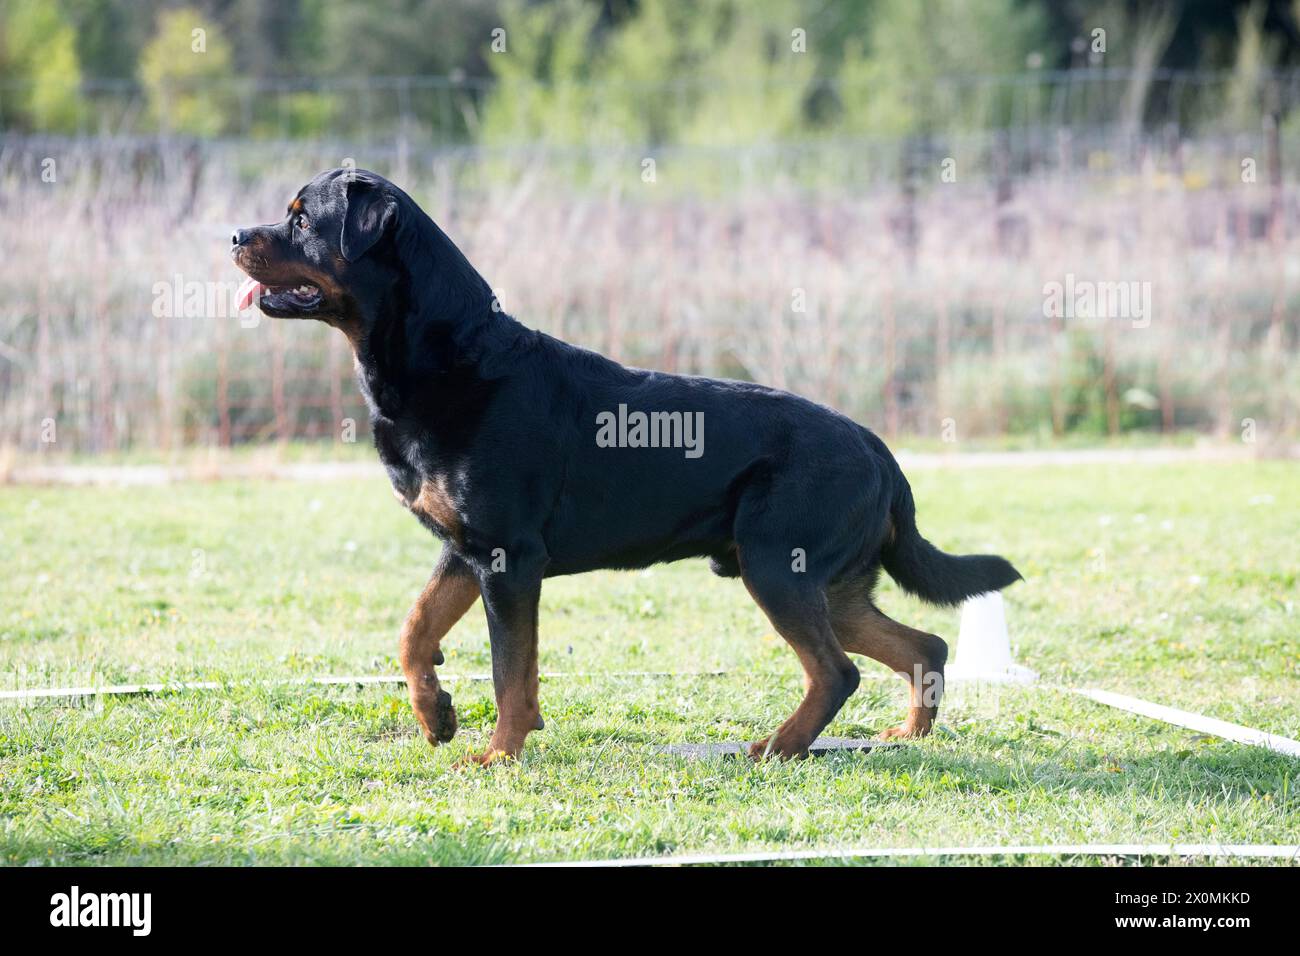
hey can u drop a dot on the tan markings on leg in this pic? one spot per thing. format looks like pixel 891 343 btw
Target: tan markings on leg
pixel 829 679
pixel 514 678
pixel 445 599
pixel 826 687
pixel 915 655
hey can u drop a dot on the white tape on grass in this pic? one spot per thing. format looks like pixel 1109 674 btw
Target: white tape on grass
pixel 44 693
pixel 1243 851
pixel 110 690
pixel 1185 718
pixel 1171 715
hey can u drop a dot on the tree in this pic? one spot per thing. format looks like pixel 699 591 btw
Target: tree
pixel 678 71
pixel 38 51
pixel 185 70
pixel 543 68
pixel 890 84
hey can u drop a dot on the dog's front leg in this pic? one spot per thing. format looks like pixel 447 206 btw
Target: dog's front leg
pixel 451 590
pixel 510 598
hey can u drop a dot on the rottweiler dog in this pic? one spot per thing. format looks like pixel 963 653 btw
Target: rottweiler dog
pixel 529 457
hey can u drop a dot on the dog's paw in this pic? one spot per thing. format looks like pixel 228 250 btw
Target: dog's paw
pixel 774 748
pixel 446 717
pixel 904 732
pixel 484 759
pixel 437 719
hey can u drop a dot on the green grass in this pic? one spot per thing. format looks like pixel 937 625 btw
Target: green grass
pixel 1175 583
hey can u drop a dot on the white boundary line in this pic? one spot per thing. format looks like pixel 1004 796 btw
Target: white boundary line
pixel 124 690
pixel 327 680
pixel 1185 718
pixel 1243 851
pixel 1170 715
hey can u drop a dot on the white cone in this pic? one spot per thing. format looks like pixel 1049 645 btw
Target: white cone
pixel 983 647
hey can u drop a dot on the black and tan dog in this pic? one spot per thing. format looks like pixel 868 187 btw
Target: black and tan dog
pixel 529 458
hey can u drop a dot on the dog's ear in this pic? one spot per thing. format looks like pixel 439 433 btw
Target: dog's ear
pixel 367 214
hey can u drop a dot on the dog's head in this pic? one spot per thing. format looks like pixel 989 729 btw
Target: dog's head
pixel 327 258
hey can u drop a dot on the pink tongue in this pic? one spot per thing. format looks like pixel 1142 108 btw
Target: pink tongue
pixel 250 290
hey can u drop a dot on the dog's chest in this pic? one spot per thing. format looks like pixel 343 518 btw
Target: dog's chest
pixel 435 506
pixel 427 493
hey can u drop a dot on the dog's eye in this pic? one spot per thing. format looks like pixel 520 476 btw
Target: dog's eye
pixel 300 221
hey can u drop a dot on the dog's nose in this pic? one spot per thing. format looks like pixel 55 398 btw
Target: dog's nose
pixel 238 237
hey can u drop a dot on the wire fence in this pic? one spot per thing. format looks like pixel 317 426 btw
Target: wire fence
pixel 1032 280
pixel 450 110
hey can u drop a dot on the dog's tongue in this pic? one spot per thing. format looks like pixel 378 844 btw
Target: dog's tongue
pixel 249 291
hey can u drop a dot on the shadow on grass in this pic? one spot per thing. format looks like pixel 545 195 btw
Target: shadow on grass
pixel 1218 771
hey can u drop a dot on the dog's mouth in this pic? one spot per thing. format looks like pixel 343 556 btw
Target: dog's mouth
pixel 304 297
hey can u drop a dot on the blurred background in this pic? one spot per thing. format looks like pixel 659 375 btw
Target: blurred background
pixel 864 201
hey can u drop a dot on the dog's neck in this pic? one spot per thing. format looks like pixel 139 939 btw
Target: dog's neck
pixel 437 326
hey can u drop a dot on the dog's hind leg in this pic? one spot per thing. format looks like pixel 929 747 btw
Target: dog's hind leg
pixel 451 591
pixel 798 612
pixel 914 655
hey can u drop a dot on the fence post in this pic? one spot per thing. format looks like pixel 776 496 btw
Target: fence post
pixel 1167 335
pixel 102 413
pixel 1273 144
pixel 223 387
pixel 1060 349
pixel 277 384
pixel 43 373
pixel 404 125
pixel 999 357
pixel 1109 376
pixel 670 305
pixel 335 351
pixel 1275 361
pixel 164 391
pixel 1003 194
pixel 1224 392
pixel 907 229
pixel 891 347
pixel 942 349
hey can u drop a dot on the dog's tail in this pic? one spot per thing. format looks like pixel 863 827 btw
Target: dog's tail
pixel 933 575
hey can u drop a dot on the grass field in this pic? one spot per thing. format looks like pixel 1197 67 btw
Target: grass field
pixel 1175 583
